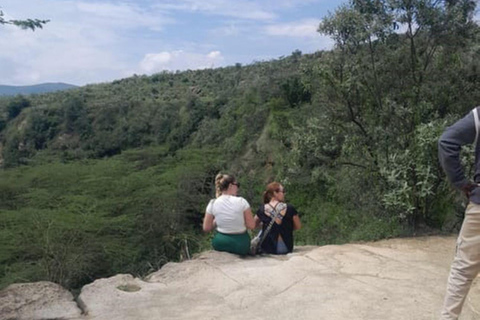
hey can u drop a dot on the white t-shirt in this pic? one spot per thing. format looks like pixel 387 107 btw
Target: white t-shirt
pixel 228 212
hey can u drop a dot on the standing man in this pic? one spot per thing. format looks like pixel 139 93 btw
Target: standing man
pixel 466 263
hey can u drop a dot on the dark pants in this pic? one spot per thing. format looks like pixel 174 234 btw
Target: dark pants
pixel 233 243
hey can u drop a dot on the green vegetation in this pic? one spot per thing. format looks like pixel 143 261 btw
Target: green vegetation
pixel 73 222
pixel 115 177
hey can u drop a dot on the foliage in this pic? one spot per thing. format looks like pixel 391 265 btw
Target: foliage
pixel 72 223
pixel 115 177
pixel 16 106
pixel 406 195
pixel 377 94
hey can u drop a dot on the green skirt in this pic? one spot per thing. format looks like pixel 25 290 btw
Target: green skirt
pixel 233 243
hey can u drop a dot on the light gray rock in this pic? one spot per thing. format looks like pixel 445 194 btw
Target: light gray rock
pixel 39 300
pixel 386 280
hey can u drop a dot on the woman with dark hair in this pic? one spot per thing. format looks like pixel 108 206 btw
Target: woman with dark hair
pixel 279 239
pixel 230 215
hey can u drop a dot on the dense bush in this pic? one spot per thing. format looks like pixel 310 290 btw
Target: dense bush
pixel 74 222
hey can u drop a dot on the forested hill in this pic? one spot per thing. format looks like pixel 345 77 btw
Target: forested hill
pixel 114 177
pixel 38 88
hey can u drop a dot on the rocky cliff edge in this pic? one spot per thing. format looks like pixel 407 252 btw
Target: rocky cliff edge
pixel 386 280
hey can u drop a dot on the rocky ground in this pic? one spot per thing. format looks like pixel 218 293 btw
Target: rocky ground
pixel 386 280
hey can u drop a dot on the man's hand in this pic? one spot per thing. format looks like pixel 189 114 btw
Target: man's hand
pixel 468 188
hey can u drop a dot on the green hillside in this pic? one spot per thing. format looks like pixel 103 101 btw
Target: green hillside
pixel 34 89
pixel 115 177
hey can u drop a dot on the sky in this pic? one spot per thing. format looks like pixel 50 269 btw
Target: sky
pixel 94 41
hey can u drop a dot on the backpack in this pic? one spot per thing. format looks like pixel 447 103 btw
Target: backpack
pixel 256 242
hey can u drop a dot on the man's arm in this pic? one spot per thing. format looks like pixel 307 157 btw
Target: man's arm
pixel 453 138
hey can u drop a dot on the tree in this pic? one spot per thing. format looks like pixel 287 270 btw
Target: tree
pixel 16 106
pixel 24 24
pixel 385 90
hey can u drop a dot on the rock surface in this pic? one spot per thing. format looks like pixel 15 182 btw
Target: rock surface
pixel 39 300
pixel 386 280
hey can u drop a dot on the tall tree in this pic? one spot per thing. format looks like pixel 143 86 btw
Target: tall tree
pixel 380 87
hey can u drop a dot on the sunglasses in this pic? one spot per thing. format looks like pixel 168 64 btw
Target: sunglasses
pixel 236 184
pixel 282 191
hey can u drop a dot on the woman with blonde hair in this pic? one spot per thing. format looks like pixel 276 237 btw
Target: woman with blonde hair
pixel 230 215
pixel 279 239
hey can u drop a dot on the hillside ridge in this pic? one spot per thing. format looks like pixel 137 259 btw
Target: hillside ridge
pixel 9 90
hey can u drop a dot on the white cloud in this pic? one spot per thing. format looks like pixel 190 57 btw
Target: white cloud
pixel 299 29
pixel 88 41
pixel 179 60
pixel 289 4
pixel 232 29
pixel 49 56
pixel 152 61
pixel 214 55
pixel 124 15
pixel 82 43
pixel 242 9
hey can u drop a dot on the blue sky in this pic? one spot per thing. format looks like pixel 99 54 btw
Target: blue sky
pixel 92 41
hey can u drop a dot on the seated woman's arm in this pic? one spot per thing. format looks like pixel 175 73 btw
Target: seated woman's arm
pixel 249 220
pixel 297 224
pixel 208 222
pixel 258 222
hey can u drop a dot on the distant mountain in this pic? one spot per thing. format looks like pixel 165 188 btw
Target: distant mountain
pixel 38 88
